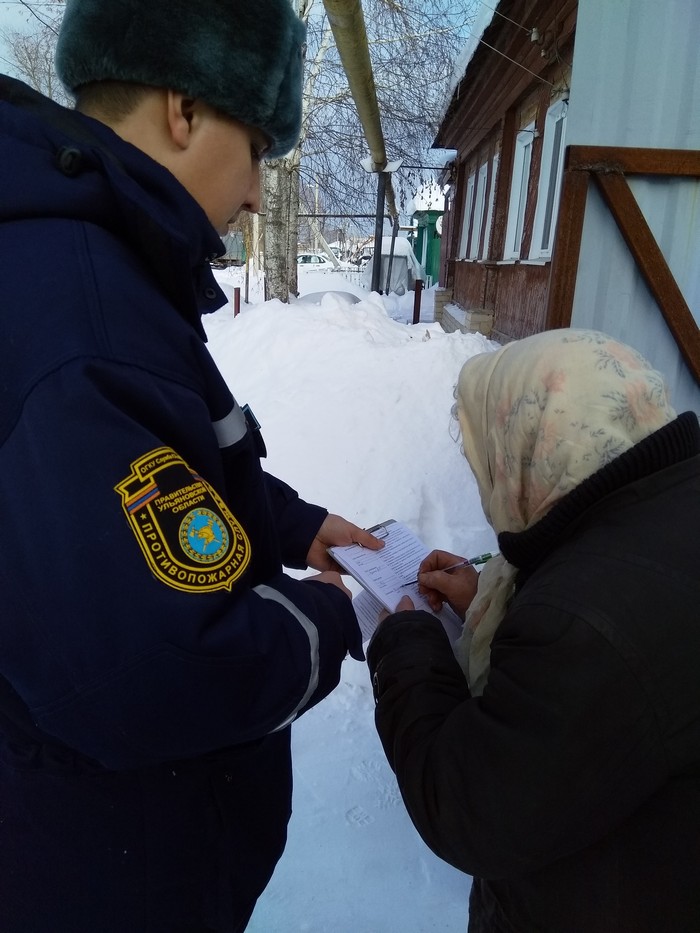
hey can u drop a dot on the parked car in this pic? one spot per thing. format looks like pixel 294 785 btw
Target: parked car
pixel 315 261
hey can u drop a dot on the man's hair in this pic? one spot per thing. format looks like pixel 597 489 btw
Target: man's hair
pixel 112 101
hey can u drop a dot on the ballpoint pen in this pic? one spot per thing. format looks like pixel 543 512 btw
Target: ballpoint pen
pixel 469 562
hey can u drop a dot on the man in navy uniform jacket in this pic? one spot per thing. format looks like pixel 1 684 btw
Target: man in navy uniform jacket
pixel 152 651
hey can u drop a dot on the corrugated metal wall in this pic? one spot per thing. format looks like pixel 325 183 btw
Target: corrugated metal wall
pixel 636 82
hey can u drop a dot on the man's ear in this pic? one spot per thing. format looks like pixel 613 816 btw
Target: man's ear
pixel 181 114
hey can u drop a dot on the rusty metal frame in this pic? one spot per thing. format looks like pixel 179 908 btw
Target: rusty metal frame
pixel 608 167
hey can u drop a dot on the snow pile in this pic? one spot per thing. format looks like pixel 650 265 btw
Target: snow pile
pixel 355 409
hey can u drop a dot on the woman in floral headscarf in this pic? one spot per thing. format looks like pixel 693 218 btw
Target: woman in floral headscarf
pixel 556 758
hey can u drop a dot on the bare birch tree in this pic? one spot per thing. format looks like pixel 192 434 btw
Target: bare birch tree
pixel 281 181
pixel 413 45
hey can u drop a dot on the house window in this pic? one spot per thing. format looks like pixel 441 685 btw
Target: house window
pixel 468 201
pixel 479 203
pixel 550 181
pixel 518 192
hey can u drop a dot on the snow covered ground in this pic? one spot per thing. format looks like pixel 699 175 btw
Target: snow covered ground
pixel 355 407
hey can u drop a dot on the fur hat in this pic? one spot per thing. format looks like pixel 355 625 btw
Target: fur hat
pixel 243 57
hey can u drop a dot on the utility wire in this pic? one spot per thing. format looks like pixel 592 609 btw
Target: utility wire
pixel 503 16
pixel 533 73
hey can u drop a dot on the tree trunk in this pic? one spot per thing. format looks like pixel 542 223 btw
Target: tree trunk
pixel 293 161
pixel 281 200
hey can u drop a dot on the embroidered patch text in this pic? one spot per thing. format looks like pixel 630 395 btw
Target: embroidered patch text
pixel 186 532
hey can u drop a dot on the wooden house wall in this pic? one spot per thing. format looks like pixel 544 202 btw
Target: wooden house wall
pixel 494 101
pixel 496 81
pixel 516 292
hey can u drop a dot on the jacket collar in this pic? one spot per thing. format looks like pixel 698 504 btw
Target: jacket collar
pixel 94 175
pixel 677 441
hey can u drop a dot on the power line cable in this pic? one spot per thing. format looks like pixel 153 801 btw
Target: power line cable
pixel 533 73
pixel 503 16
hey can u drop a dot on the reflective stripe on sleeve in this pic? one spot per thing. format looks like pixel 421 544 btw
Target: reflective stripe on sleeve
pixel 266 592
pixel 232 428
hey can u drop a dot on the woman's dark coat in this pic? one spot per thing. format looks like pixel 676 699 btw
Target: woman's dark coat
pixel 571 789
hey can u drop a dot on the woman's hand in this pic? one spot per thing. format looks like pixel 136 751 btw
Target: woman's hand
pixel 405 604
pixel 455 587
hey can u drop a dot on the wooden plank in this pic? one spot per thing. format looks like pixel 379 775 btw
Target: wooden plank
pixel 459 203
pixel 503 178
pixel 543 101
pixel 469 285
pixel 567 248
pixel 630 161
pixel 653 266
pixel 490 182
pixel 521 296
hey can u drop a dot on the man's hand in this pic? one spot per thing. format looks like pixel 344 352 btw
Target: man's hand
pixel 337 532
pixel 455 587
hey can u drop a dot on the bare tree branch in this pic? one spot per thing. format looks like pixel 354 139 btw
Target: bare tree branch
pixel 32 52
pixel 33 12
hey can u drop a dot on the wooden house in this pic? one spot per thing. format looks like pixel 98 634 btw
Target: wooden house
pixel 575 184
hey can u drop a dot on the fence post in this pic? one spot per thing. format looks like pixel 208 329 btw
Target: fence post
pixel 416 300
pixel 236 300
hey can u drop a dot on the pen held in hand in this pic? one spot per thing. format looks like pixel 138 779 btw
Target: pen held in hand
pixel 469 562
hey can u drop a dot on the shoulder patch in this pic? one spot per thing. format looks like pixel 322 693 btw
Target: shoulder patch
pixel 187 534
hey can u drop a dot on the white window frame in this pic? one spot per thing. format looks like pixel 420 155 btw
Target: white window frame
pixel 518 192
pixel 489 209
pixel 479 204
pixel 549 185
pixel 468 200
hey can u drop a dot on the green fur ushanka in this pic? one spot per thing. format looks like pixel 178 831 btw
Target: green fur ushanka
pixel 243 57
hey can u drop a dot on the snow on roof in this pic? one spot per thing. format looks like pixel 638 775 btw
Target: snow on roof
pixel 482 20
pixel 428 198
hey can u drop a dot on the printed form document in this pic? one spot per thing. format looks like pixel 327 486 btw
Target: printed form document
pixel 388 574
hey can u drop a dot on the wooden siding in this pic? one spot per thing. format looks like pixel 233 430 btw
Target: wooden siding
pixel 495 83
pixel 521 300
pixel 493 102
pixel 470 283
pixel 638 247
pixel 516 293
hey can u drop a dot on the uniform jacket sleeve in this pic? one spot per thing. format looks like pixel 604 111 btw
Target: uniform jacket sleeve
pixel 562 746
pixel 111 658
pixel 297 521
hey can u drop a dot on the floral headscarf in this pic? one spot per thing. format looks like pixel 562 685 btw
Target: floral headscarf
pixel 537 418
